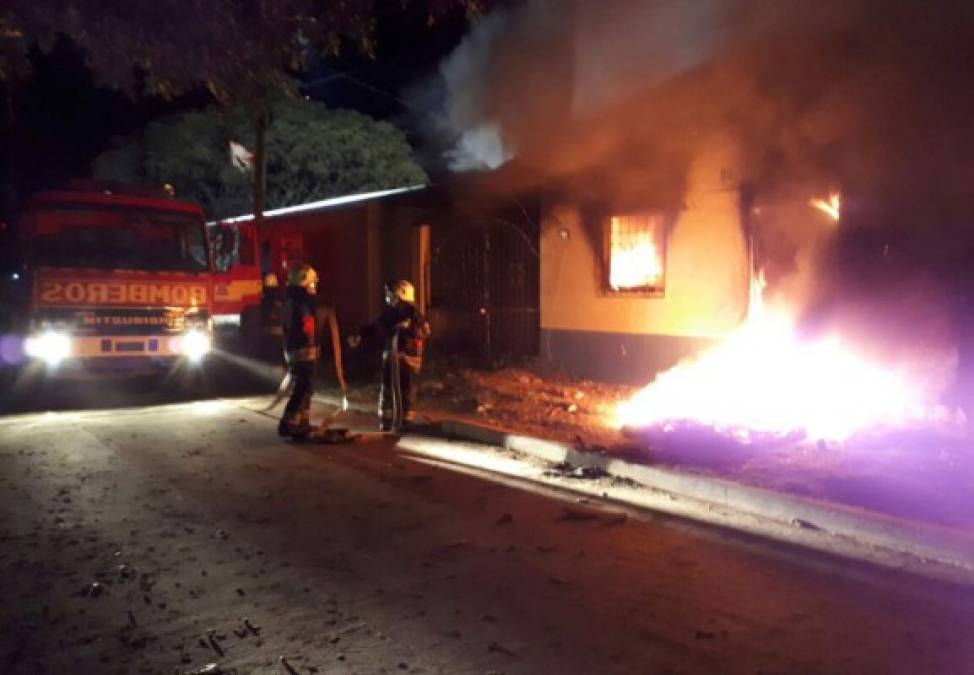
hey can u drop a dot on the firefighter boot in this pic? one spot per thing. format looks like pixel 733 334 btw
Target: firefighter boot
pixel 296 426
pixel 303 428
pixel 283 427
pixel 385 419
pixel 385 408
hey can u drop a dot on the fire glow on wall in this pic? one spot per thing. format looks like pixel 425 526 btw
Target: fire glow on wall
pixel 635 253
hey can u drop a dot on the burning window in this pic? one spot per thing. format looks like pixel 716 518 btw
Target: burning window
pixel 634 248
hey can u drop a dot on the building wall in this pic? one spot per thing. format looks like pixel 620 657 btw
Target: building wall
pixel 336 243
pixel 356 249
pixel 595 334
pixel 400 245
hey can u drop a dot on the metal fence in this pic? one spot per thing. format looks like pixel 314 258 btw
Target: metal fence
pixel 485 288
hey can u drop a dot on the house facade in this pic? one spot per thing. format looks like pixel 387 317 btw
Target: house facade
pixel 628 291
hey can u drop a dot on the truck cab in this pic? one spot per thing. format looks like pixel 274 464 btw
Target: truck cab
pixel 119 280
pixel 248 285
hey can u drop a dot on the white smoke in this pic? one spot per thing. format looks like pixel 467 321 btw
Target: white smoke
pixel 524 73
pixel 479 148
pixel 546 59
pixel 488 80
pixel 624 46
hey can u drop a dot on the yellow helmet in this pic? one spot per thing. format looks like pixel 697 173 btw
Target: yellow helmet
pixel 404 290
pixel 303 276
pixel 270 280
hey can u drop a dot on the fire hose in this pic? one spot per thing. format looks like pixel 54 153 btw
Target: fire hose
pixel 283 389
pixel 397 406
pixel 336 346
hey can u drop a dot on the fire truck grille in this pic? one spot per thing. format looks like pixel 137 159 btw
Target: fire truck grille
pixel 123 321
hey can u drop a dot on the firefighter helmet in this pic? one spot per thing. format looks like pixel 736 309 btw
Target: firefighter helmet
pixel 404 291
pixel 303 276
pixel 270 280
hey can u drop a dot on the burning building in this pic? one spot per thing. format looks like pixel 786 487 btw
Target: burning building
pixel 761 209
pixel 628 290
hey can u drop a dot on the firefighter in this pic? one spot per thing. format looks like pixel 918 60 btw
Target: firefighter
pixel 401 330
pixel 299 324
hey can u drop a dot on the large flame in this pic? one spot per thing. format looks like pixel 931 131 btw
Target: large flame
pixel 764 378
pixel 831 206
pixel 635 260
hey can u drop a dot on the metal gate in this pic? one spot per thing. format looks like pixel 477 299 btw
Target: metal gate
pixel 485 289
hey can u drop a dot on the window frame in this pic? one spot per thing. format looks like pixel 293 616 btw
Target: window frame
pixel 660 236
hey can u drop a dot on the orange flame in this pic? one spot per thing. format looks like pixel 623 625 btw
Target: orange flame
pixel 831 206
pixel 764 378
pixel 636 262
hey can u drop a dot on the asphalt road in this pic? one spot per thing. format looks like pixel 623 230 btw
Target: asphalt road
pixel 164 538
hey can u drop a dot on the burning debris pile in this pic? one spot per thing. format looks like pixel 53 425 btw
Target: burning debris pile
pixel 765 379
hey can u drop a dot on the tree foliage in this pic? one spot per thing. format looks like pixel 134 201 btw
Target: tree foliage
pixel 241 50
pixel 312 153
pixel 244 52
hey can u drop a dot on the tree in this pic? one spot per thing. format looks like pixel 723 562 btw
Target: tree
pixel 312 153
pixel 243 51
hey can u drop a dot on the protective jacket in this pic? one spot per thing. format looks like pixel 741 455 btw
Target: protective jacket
pixel 404 319
pixel 299 325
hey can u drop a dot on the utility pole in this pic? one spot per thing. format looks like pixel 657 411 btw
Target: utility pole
pixel 260 165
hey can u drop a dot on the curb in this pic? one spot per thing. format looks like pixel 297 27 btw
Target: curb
pixel 929 543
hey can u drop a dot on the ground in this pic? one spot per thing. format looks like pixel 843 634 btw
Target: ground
pixel 165 538
pixel 532 400
pixel 924 475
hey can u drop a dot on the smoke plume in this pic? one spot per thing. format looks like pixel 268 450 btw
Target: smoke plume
pixel 579 86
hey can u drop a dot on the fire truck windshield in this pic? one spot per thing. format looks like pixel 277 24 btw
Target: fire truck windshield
pixel 119 238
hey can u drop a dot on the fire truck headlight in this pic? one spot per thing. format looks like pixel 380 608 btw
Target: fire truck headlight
pixel 50 346
pixel 195 344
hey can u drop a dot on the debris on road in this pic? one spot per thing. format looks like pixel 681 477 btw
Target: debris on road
pixel 208 669
pixel 804 524
pixel 498 648
pixel 93 590
pixel 605 519
pixel 570 515
pixel 287 666
pixel 569 470
pixel 214 643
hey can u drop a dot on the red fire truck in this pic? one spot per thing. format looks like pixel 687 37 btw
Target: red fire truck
pixel 246 302
pixel 120 279
pixel 244 312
